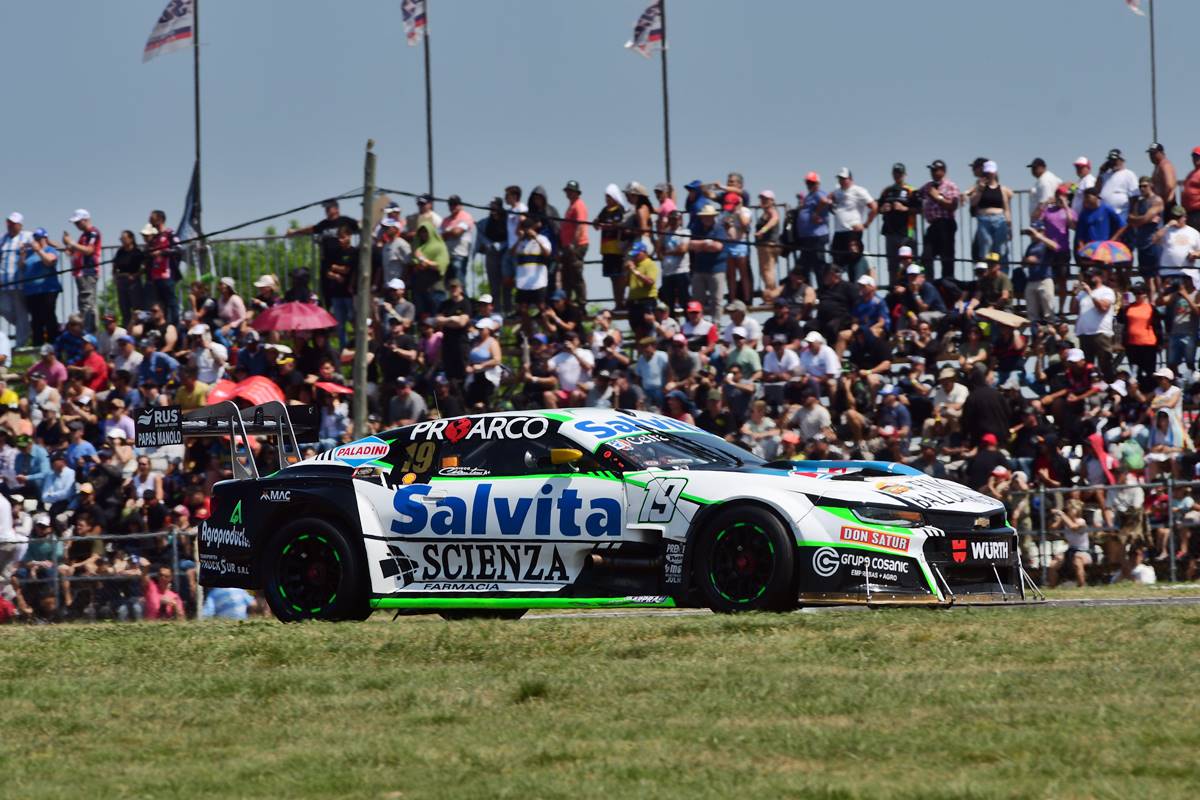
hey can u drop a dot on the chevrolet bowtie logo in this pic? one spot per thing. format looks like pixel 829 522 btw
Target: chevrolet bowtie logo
pixel 981 522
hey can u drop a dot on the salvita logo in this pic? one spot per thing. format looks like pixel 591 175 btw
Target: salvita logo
pixel 606 429
pixel 989 551
pixel 229 537
pixel 362 451
pixel 561 515
pixel 826 561
pixel 481 428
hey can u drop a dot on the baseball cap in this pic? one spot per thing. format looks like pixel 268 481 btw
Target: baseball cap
pixel 559 294
pixel 1063 189
pixel 767 193
pixel 46 349
pixel 228 281
pixel 662 187
pixel 977 163
pixel 636 249
pixel 992 258
pixel 989 438
pixel 694 185
pixel 16 217
pixel 707 211
pixel 541 338
pixel 486 324
pixel 844 172
pixel 485 298
pixel 914 269
pixel 264 281
pixel 1037 162
pixel 424 200
pixel 899 167
pixel 813 177
pixel 1074 355
pixel 735 305
pixel 572 186
pixel 1196 151
pixel 393 209
pixel 1082 161
pixel 1000 471
pixel 990 168
pixel 1115 154
pixel 396 283
pixel 738 330
pixel 388 222
pixel 80 214
pixel 679 338
pixel 454 200
pixel 695 305
pixel 814 337
pixel 1155 147
pixel 40 233
pixel 937 163
pixel 866 280
pixel 1164 372
pixel 947 372
pixel 779 338
pixel 198 330
pixel 905 252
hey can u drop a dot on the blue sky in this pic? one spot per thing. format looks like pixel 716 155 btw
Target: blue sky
pixel 539 91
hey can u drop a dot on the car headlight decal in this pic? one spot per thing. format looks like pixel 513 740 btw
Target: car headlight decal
pixel 884 515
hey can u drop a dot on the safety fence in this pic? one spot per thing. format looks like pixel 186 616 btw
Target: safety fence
pixel 1032 513
pixel 108 588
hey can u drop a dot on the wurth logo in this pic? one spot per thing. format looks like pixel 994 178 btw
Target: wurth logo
pixel 990 551
pixel 958 549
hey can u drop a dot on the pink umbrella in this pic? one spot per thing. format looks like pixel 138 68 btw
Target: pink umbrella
pixel 333 388
pixel 256 390
pixel 294 317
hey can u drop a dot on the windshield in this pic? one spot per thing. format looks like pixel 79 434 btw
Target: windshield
pixel 676 450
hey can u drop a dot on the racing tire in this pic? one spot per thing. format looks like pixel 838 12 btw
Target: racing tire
pixel 311 571
pixel 745 561
pixel 466 613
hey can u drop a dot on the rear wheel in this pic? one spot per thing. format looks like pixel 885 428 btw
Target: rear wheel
pixel 745 561
pixel 312 572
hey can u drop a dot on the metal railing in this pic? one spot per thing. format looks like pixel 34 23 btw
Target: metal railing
pixel 1045 497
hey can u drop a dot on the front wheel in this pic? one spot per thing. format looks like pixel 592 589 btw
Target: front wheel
pixel 312 572
pixel 745 561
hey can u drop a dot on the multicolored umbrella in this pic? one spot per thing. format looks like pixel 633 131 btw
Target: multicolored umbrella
pixel 1108 251
pixel 294 317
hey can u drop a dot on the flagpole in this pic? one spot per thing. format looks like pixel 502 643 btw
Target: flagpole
pixel 196 109
pixel 1153 76
pixel 428 105
pixel 665 95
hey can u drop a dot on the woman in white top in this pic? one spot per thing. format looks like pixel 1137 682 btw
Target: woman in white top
pixel 144 480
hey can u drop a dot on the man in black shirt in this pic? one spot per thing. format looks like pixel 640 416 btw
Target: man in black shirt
pixel 986 459
pixel 985 411
pixel 326 231
pixel 896 204
pixel 871 356
pixel 715 418
pixel 339 283
pixel 835 298
pixel 454 320
pixel 782 322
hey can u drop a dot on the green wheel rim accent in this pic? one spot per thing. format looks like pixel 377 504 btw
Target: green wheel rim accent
pixel 743 562
pixel 309 571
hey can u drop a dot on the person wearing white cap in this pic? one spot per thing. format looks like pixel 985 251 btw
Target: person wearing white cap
pixel 395 251
pixel 991 203
pixel 394 305
pixel 1168 397
pixel 767 231
pixel 920 298
pixel 819 363
pixel 208 357
pixel 1084 181
pixel 231 309
pixel 85 264
pixel 483 365
pixel 12 299
pixel 267 294
pixel 853 212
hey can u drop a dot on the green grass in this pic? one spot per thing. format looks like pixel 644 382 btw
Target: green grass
pixel 975 703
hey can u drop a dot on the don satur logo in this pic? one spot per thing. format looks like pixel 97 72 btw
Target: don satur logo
pixel 399 565
pixel 826 561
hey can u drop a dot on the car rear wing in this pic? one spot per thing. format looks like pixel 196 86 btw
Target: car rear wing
pixel 288 425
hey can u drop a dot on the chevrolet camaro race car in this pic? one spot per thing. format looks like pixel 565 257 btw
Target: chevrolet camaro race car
pixel 497 513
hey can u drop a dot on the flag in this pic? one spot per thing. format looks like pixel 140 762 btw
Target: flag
pixel 173 31
pixel 413 12
pixel 1135 7
pixel 648 30
pixel 189 224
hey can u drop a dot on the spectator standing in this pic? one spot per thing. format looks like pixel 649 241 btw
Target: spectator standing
pixel 810 230
pixel 573 244
pixel 737 222
pixel 1098 221
pixel 676 264
pixel 1095 304
pixel 493 240
pixel 1142 333
pixel 430 261
pixel 651 368
pixel 1057 219
pixel 939 205
pixel 326 232
pixel 454 320
pixel 395 252
pixel 1117 183
pixel 707 250
pixel 1045 185
pixel 531 257
pixel 13 247
pixel 766 237
pixel 897 207
pixel 612 250
pixel 128 268
pixel 643 288
pixel 1163 180
pixel 1039 269
pixel 1189 195
pixel 1145 219
pixel 483 365
pixel 40 284
pixel 853 212
pixel 1183 311
pixel 165 255
pixel 85 253
pixel 991 203
pixel 1180 244
pixel 547 217
pixel 1084 180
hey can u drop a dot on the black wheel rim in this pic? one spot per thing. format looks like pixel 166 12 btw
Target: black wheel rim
pixel 743 560
pixel 310 570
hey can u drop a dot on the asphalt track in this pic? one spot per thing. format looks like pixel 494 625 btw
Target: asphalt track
pixel 1082 602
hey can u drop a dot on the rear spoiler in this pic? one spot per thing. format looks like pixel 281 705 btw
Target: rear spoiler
pixel 289 425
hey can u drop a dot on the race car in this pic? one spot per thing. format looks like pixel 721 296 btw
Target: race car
pixel 498 513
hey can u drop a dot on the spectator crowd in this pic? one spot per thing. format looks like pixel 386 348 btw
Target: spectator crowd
pixel 1068 365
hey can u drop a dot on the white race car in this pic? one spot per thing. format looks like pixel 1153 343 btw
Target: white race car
pixel 499 513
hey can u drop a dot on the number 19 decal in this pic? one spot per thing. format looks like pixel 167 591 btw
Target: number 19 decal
pixel 661 494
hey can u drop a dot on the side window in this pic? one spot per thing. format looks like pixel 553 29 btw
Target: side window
pixel 507 457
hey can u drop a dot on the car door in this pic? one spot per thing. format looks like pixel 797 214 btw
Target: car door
pixel 496 514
